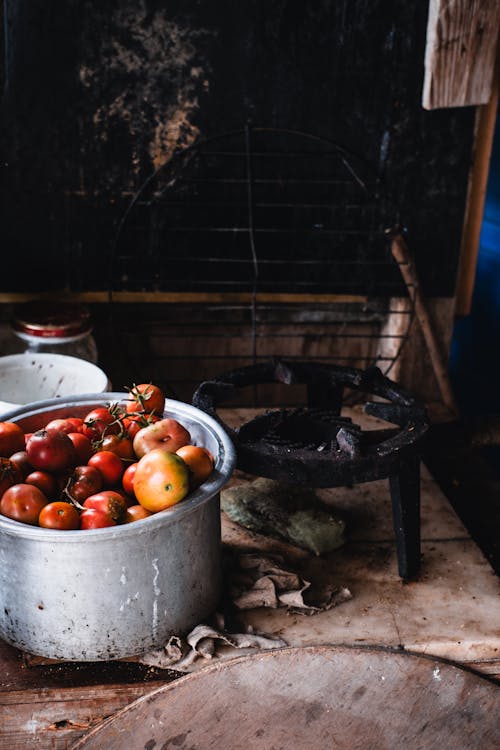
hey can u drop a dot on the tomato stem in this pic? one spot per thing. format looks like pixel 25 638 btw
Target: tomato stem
pixel 66 491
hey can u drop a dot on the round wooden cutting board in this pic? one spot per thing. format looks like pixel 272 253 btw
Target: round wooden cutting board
pixel 341 698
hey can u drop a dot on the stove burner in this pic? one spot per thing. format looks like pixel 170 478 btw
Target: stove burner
pixel 300 429
pixel 318 447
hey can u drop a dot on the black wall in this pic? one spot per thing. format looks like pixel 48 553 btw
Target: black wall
pixel 98 95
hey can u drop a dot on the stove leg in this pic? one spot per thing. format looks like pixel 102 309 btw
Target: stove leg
pixel 405 496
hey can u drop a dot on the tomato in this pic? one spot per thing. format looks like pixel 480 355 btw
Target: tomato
pixel 108 502
pixel 161 480
pixel 119 444
pixel 82 446
pixel 128 479
pixel 110 465
pixel 49 450
pixel 145 397
pixel 101 421
pixel 23 502
pixel 136 513
pixel 91 518
pixel 21 460
pixel 70 424
pixel 85 481
pixel 11 439
pixel 9 474
pixel 167 434
pixel 62 480
pixel 132 423
pixel 44 481
pixel 59 515
pixel 77 423
pixel 199 461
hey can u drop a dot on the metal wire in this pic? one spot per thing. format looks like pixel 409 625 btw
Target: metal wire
pixel 314 218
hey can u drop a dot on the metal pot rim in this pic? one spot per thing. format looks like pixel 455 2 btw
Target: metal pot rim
pixel 224 467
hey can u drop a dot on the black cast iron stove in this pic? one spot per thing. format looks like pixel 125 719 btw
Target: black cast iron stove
pixel 318 446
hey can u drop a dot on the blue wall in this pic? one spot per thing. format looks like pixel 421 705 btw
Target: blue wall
pixel 475 355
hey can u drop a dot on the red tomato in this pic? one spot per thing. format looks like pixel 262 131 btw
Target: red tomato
pixel 167 434
pixel 59 515
pixel 82 445
pixel 132 423
pixel 128 479
pixel 145 397
pixel 21 460
pixel 110 465
pixel 45 482
pixel 91 518
pixel 77 423
pixel 108 502
pixel 101 421
pixel 136 513
pixel 70 424
pixel 49 450
pixel 23 502
pixel 9 474
pixel 11 439
pixel 62 480
pixel 119 444
pixel 85 481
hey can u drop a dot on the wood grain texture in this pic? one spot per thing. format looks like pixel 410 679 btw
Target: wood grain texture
pixel 476 196
pixel 436 354
pixel 312 698
pixel 460 52
pixel 56 718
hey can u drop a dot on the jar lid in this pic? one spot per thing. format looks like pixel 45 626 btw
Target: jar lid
pixel 51 320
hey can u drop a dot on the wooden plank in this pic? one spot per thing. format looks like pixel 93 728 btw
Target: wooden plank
pixel 239 298
pixel 436 354
pixel 50 705
pixel 460 52
pixel 476 195
pixel 54 719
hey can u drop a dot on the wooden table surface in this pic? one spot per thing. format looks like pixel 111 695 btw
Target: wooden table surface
pixel 451 611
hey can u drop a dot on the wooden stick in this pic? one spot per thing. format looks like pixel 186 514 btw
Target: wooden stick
pixel 476 196
pixel 402 256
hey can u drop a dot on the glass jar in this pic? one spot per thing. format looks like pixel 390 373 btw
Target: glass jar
pixel 54 328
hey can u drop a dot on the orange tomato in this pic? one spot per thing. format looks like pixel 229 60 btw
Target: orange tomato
pixel 161 480
pixel 199 461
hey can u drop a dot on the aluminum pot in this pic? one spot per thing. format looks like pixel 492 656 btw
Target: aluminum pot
pixel 110 593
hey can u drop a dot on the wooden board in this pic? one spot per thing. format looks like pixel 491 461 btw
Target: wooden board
pixel 460 53
pixel 313 698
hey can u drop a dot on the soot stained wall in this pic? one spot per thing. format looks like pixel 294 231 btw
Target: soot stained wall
pixel 98 95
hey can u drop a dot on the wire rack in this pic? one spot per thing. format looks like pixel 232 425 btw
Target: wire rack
pixel 264 242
